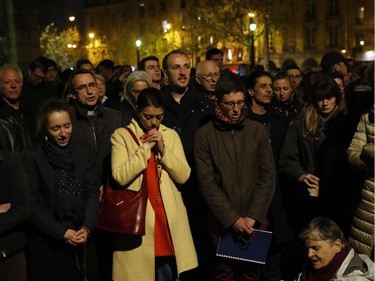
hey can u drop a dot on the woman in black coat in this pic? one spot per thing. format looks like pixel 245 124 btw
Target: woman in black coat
pixel 64 193
pixel 14 210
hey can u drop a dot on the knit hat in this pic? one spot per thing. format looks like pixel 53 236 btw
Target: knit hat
pixel 331 58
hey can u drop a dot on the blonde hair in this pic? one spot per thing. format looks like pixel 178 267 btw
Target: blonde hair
pixel 135 76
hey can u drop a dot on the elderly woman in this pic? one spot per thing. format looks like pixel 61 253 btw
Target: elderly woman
pixel 330 257
pixel 136 82
pixel 102 89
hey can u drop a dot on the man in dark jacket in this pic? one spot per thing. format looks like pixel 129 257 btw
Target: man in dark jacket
pixel 93 126
pixel 236 173
pixel 17 126
pixel 186 110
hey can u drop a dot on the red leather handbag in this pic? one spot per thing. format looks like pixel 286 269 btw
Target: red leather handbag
pixel 123 210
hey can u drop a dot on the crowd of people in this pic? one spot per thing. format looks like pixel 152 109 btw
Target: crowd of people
pixel 287 151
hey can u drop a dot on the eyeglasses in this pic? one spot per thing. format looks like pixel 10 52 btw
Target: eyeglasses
pixel 232 104
pixel 38 77
pixel 210 76
pixel 83 88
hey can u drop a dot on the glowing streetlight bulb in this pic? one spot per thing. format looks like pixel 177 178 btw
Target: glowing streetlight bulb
pixel 361 42
pixel 253 26
pixel 72 18
pixel 138 43
pixel 91 35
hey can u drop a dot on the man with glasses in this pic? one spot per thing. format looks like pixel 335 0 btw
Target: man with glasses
pixel 93 125
pixel 206 75
pixel 35 91
pixel 236 174
pixel 295 76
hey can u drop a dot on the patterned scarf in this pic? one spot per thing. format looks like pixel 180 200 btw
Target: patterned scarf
pixel 69 192
pixel 222 122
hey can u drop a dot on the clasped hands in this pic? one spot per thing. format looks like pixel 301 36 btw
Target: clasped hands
pixel 76 237
pixel 154 137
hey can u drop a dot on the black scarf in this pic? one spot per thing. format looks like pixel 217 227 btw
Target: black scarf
pixel 69 192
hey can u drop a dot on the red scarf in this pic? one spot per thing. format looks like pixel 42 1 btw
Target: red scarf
pixel 162 238
pixel 326 273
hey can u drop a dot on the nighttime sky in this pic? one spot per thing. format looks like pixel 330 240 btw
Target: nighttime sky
pixel 58 11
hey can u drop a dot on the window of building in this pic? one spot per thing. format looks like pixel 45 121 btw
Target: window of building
pixel 310 11
pixel 163 5
pixel 183 4
pixel 141 10
pixel 152 8
pixel 271 41
pixel 360 15
pixel 333 36
pixel 310 37
pixel 142 28
pixel 333 8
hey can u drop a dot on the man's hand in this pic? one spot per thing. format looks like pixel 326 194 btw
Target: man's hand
pixel 244 224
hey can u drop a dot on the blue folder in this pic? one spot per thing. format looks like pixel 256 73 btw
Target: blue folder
pixel 255 250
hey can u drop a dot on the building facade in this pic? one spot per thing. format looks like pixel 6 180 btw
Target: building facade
pixel 314 27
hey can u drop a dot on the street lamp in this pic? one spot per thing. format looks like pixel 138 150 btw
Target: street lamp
pixel 138 43
pixel 253 27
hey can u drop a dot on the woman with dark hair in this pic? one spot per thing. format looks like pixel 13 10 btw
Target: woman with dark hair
pixel 167 248
pixel 64 192
pixel 299 155
pixel 284 100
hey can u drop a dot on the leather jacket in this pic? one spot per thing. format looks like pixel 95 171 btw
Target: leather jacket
pixel 17 128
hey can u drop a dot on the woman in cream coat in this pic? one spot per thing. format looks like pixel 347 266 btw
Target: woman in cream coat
pixel 361 156
pixel 135 257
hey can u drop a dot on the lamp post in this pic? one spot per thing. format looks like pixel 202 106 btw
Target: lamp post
pixel 138 43
pixel 252 27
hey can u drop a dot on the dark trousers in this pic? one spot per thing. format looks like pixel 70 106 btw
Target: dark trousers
pixel 13 268
pixel 234 270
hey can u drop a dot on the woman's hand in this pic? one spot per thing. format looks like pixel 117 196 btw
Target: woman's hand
pixel 5 207
pixel 310 180
pixel 155 137
pixel 76 237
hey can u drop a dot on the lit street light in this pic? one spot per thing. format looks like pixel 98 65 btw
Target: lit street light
pixel 252 27
pixel 138 43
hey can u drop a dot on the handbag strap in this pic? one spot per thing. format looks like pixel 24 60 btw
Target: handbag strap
pixel 133 135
